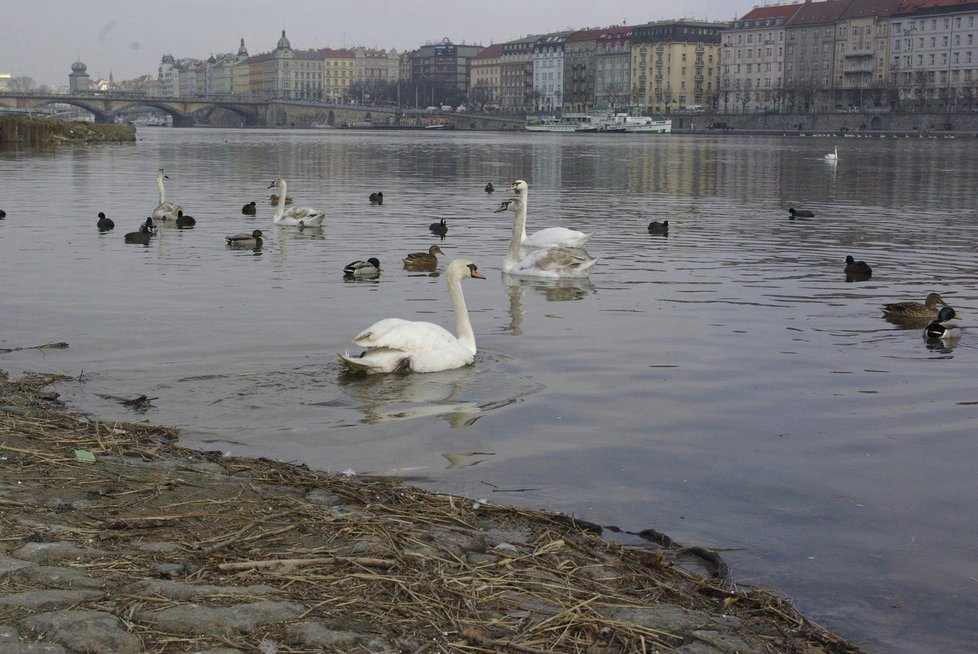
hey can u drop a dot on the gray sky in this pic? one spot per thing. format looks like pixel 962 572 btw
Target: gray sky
pixel 42 38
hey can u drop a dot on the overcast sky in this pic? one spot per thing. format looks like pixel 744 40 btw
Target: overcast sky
pixel 42 38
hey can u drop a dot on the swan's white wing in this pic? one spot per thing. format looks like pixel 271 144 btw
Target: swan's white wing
pixel 553 263
pixel 167 211
pixel 421 346
pixel 556 236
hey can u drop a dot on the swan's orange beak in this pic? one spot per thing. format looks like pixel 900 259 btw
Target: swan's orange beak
pixel 478 275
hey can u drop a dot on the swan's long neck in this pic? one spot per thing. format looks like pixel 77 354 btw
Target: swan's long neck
pixel 463 326
pixel 159 186
pixel 280 207
pixel 522 213
pixel 519 233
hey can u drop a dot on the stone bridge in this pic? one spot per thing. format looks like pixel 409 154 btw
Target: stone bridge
pixel 255 112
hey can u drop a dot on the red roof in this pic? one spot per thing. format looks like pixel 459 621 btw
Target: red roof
pixel 910 6
pixel 493 51
pixel 340 53
pixel 585 35
pixel 776 11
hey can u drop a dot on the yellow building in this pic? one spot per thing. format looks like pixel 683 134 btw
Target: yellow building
pixel 485 80
pixel 675 65
pixel 339 73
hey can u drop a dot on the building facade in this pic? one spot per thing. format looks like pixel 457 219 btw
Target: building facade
pixel 862 43
pixel 613 68
pixel 675 65
pixel 809 67
pixel 753 59
pixel 516 75
pixel 441 71
pixel 548 72
pixel 340 69
pixel 578 84
pixel 486 78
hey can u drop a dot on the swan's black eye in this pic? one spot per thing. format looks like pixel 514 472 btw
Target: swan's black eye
pixel 473 267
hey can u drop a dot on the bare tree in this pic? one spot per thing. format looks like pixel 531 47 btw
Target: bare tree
pixel 723 92
pixel 745 97
pixel 920 85
pixel 21 84
pixel 807 90
pixel 615 93
pixel 482 94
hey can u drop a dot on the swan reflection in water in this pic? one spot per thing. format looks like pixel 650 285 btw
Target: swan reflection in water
pixel 554 290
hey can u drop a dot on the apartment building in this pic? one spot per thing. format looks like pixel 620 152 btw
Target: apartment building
pixel 675 64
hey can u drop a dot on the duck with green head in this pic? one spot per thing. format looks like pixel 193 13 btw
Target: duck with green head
pixel 943 328
pixel 252 240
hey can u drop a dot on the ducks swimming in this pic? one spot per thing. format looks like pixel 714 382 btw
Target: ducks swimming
pixel 655 227
pixel 800 213
pixel 298 216
pixel 185 221
pixel 396 345
pixel 440 227
pixel 164 210
pixel 857 268
pixel 942 328
pixel 250 209
pixel 253 240
pixel 900 312
pixel 377 198
pixel 104 224
pixel 423 260
pixel 362 269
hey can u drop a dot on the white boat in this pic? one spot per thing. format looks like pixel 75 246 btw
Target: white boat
pixel 601 123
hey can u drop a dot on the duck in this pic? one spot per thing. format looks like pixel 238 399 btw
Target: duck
pixel 250 209
pixel 942 328
pixel 544 238
pixel 164 210
pixel 439 227
pixel 104 224
pixel 362 269
pixel 252 240
pixel 800 213
pixel 146 230
pixel 377 198
pixel 914 311
pixel 397 345
pixel 299 216
pixel 490 188
pixel 655 227
pixel 854 267
pixel 834 155
pixel 423 260
pixel 3 214
pixel 183 220
pixel 548 263
pixel 273 199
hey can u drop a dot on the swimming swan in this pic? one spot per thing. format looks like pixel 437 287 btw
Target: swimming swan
pixel 834 155
pixel 551 236
pixel 547 263
pixel 301 216
pixel 164 210
pixel 396 345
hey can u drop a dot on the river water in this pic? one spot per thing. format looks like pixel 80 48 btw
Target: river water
pixel 724 384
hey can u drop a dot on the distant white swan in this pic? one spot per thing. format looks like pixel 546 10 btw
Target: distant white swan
pixel 301 216
pixel 546 263
pixel 396 345
pixel 834 155
pixel 165 210
pixel 551 236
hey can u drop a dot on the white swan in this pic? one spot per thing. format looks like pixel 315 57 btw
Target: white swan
pixel 551 236
pixel 301 216
pixel 165 210
pixel 834 155
pixel 396 345
pixel 547 263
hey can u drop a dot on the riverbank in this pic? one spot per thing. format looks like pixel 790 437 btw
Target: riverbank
pixel 115 539
pixel 18 129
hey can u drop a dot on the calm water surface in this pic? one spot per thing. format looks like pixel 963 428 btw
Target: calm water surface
pixel 724 384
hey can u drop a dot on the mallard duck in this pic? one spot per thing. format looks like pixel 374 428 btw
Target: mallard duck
pixel 423 260
pixel 250 209
pixel 361 269
pixel 104 224
pixel 490 188
pixel 252 240
pixel 439 227
pixel 942 328
pixel 273 199
pixel 655 227
pixel 164 210
pixel 377 198
pixel 912 311
pixel 854 267
pixel 800 213
pixel 396 345
pixel 183 220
